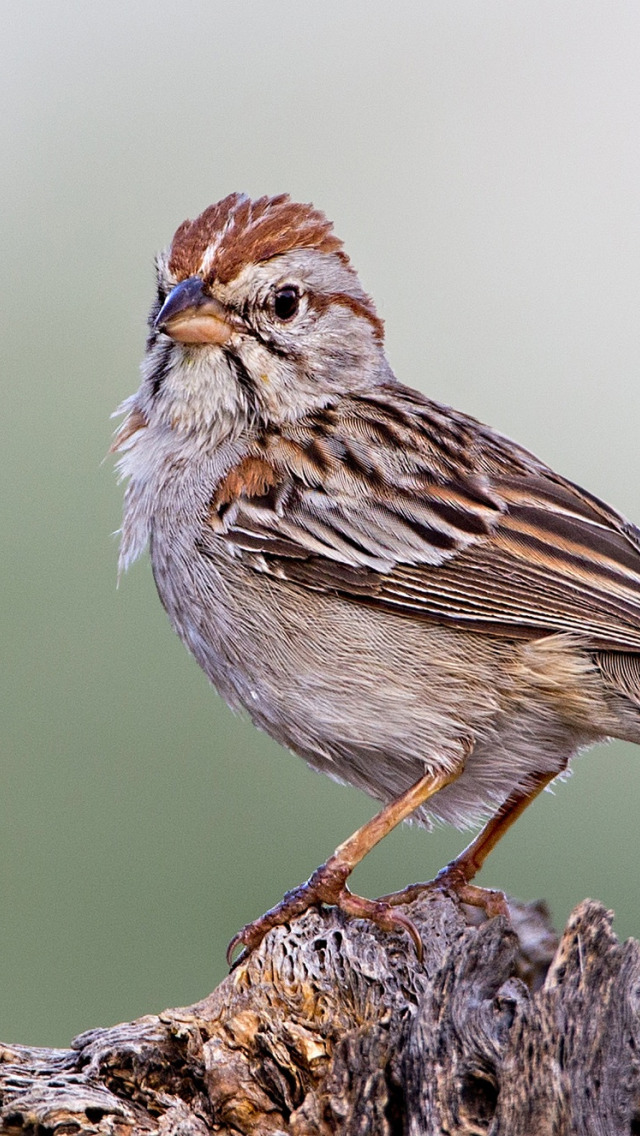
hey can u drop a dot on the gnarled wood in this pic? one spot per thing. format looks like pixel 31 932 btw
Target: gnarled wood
pixel 334 1027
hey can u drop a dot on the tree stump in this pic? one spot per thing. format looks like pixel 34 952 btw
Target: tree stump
pixel 334 1027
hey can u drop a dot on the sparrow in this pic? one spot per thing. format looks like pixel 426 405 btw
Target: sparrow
pixel 401 595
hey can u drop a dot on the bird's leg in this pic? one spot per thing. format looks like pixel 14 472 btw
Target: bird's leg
pixel 328 882
pixel 457 875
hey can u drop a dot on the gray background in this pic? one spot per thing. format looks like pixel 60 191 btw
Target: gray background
pixel 481 161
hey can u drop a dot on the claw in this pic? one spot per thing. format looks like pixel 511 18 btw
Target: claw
pixel 236 941
pixel 412 931
pixel 451 881
pixel 326 886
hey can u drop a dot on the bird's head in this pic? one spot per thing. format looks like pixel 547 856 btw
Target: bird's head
pixel 259 318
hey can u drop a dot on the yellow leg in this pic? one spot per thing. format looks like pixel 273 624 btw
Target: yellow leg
pixel 457 875
pixel 328 883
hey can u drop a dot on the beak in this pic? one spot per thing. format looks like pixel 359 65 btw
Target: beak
pixel 190 316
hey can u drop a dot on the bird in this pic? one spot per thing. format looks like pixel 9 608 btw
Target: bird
pixel 401 595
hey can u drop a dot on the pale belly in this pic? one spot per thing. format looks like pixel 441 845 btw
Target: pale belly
pixel 372 698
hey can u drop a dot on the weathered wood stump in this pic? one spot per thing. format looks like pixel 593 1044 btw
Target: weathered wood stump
pixel 334 1027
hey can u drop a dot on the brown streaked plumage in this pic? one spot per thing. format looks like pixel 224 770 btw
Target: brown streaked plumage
pixel 409 600
pixel 244 232
pixel 359 307
pixel 569 562
pixel 133 422
pixel 252 477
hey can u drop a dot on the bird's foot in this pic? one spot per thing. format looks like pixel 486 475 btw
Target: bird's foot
pixel 453 880
pixel 327 885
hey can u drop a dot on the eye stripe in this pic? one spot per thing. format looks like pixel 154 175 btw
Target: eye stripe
pixel 246 384
pixel 163 365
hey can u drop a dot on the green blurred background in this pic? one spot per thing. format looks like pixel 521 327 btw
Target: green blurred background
pixel 482 163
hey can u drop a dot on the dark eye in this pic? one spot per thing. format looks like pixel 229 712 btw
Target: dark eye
pixel 286 302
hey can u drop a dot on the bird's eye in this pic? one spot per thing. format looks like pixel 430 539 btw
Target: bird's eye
pixel 286 302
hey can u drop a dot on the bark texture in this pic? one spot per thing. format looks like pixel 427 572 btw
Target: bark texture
pixel 334 1027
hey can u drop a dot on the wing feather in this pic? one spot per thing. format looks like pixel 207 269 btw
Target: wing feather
pixel 399 503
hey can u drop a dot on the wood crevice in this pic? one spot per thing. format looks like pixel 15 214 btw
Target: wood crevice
pixel 334 1027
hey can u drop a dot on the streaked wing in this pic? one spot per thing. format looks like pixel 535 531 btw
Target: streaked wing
pixel 423 511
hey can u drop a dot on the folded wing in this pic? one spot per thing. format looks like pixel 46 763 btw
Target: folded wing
pixel 398 503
